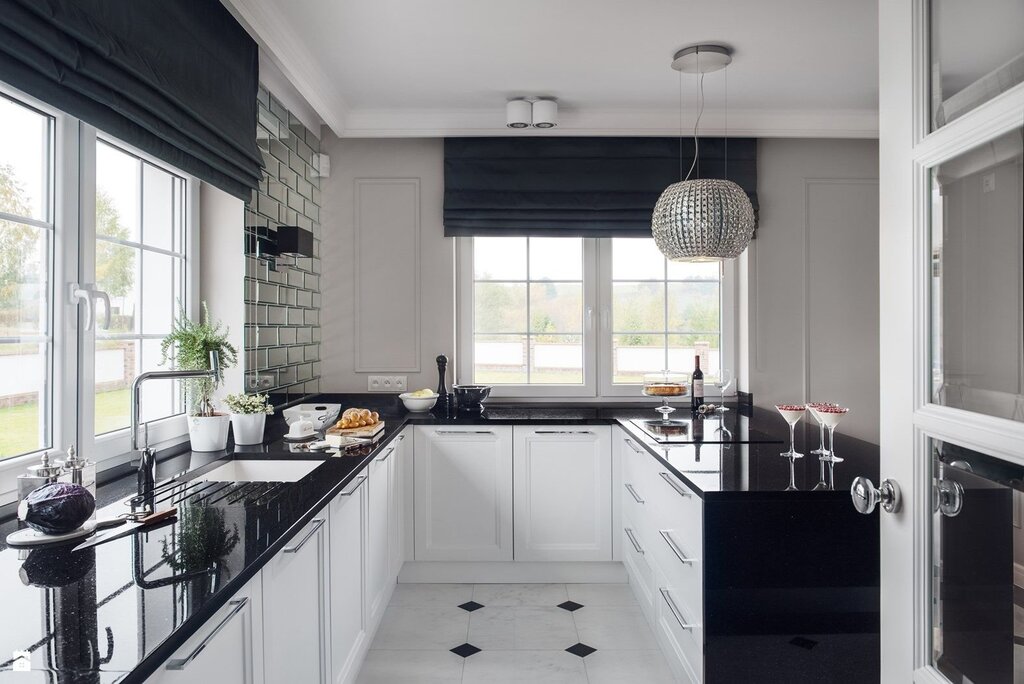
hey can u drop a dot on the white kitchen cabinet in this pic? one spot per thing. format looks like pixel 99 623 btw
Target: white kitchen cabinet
pixel 228 649
pixel 562 485
pixel 378 541
pixel 348 579
pixel 295 600
pixel 463 493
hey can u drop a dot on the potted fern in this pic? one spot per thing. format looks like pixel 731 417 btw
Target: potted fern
pixel 190 344
pixel 248 416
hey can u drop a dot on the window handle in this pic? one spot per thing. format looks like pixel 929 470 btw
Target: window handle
pixel 588 319
pixel 86 294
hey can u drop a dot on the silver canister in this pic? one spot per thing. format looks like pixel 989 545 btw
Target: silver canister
pixel 79 471
pixel 37 475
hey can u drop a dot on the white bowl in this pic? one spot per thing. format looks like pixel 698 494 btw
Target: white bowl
pixel 418 404
pixel 321 415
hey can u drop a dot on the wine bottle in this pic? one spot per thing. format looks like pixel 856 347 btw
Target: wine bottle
pixel 697 389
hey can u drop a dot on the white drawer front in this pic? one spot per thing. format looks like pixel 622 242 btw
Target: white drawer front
pixel 680 630
pixel 638 566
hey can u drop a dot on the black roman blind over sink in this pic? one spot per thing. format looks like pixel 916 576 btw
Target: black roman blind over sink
pixel 568 186
pixel 175 78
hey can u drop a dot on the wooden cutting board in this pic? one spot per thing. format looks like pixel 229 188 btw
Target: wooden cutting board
pixel 365 431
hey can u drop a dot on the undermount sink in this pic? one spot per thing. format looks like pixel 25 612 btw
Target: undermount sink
pixel 261 470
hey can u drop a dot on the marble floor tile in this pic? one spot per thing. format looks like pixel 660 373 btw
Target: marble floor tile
pixel 602 594
pixel 422 628
pixel 535 667
pixel 627 667
pixel 520 594
pixel 522 627
pixel 431 594
pixel 614 628
pixel 411 667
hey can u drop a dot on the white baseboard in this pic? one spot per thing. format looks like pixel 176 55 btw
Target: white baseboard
pixel 512 572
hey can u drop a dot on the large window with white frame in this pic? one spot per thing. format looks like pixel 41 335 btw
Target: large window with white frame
pixel 586 317
pixel 79 210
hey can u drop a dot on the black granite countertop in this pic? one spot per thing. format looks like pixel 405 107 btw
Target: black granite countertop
pixel 115 612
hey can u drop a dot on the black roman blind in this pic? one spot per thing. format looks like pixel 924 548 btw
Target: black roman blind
pixel 175 78
pixel 567 186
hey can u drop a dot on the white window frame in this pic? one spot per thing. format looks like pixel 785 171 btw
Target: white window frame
pixel 73 196
pixel 597 337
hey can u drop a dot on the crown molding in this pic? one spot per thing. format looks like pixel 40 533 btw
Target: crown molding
pixel 425 123
pixel 270 28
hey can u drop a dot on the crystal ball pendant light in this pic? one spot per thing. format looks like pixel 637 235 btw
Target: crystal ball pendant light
pixel 705 219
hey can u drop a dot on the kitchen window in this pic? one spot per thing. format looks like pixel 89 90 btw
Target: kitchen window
pixel 586 317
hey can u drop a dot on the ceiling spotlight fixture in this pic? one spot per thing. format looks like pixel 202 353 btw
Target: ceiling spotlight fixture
pixel 705 219
pixel 545 114
pixel 518 113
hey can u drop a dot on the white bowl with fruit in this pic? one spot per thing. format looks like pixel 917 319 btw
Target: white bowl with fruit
pixel 419 401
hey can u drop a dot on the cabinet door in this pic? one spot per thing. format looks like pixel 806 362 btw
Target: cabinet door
pixel 226 649
pixel 347 573
pixel 377 542
pixel 463 493
pixel 396 517
pixel 563 497
pixel 294 606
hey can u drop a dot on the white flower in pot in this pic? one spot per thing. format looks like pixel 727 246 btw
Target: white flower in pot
pixel 248 416
pixel 190 344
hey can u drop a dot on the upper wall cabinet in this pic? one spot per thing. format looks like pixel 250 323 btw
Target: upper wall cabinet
pixel 976 53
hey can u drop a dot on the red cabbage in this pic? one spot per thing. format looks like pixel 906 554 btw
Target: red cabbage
pixel 57 508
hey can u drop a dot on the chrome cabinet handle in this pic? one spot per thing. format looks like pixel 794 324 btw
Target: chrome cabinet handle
pixel 667 536
pixel 632 539
pixel 675 485
pixel 386 455
pixel 401 437
pixel 464 432
pixel 563 432
pixel 359 483
pixel 866 497
pixel 676 613
pixel 182 663
pixel 633 446
pixel 317 524
pixel 636 497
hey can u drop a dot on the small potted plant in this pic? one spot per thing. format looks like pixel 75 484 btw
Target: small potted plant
pixel 190 344
pixel 248 416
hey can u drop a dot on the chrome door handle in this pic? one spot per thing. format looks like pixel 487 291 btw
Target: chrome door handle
pixel 949 497
pixel 632 539
pixel 386 455
pixel 675 485
pixel 636 497
pixel 563 432
pixel 317 524
pixel 633 446
pixel 865 497
pixel 359 483
pixel 182 663
pixel 667 536
pixel 463 432
pixel 676 613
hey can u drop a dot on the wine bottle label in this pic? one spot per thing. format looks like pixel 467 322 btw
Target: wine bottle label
pixel 698 388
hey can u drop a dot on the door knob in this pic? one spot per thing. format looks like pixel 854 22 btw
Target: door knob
pixel 866 497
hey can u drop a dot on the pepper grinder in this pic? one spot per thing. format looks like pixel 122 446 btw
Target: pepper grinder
pixel 444 400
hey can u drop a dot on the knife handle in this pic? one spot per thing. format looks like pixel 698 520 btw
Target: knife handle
pixel 158 516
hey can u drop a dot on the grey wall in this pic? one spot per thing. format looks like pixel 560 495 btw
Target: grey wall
pixel 282 331
pixel 813 278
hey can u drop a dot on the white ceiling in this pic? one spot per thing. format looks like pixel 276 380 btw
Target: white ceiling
pixel 446 67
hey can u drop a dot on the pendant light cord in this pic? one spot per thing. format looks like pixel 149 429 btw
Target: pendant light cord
pixel 696 143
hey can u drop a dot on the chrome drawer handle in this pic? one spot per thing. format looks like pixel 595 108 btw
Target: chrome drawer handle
pixel 675 485
pixel 676 613
pixel 632 539
pixel 359 483
pixel 636 497
pixel 667 536
pixel 182 663
pixel 633 446
pixel 317 524
pixel 463 432
pixel 563 432
pixel 401 437
pixel 385 456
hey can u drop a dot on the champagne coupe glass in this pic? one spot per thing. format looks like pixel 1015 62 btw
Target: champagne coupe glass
pixel 821 451
pixel 830 416
pixel 792 413
pixel 722 383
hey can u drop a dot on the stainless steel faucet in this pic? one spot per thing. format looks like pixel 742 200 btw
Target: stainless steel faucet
pixel 147 456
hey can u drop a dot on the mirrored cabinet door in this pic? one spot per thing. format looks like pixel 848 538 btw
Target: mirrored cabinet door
pixel 977 292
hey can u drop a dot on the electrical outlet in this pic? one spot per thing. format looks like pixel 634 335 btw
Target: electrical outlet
pixel 988 182
pixel 259 381
pixel 386 383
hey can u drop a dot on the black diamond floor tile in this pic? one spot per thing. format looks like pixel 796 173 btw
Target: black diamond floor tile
pixel 570 606
pixel 470 606
pixel 581 650
pixel 803 642
pixel 465 650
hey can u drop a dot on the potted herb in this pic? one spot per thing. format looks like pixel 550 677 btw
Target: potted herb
pixel 190 344
pixel 248 416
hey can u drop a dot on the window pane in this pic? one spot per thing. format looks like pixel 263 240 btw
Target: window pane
pixel 499 258
pixel 500 308
pixel 556 259
pixel 116 274
pixel 556 360
pixel 682 349
pixel 116 363
pixel 693 307
pixel 24 373
pixel 24 161
pixel 500 359
pixel 638 307
pixel 158 293
pixel 634 355
pixel 24 286
pixel 636 259
pixel 691 270
pixel 162 398
pixel 117 193
pixel 556 307
pixel 158 215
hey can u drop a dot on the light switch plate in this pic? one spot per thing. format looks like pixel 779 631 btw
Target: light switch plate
pixel 259 381
pixel 386 383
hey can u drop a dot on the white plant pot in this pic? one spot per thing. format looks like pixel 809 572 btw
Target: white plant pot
pixel 248 427
pixel 209 433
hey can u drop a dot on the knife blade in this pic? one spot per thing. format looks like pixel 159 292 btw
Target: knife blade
pixel 130 528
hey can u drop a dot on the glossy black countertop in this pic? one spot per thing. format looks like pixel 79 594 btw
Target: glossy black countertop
pixel 116 612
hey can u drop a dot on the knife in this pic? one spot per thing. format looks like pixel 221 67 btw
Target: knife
pixel 130 528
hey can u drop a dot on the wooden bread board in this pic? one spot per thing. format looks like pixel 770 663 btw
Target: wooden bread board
pixel 336 434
